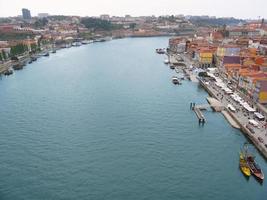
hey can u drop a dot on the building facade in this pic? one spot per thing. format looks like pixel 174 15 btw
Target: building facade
pixel 26 14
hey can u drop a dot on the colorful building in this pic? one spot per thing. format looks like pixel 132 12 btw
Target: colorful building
pixel 260 92
pixel 205 58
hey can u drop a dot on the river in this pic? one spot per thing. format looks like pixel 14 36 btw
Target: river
pixel 104 121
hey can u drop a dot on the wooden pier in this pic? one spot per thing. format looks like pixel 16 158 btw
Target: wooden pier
pixel 198 112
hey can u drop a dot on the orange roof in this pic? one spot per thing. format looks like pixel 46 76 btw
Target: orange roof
pixel 233 65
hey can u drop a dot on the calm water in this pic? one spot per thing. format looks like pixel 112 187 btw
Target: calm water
pixel 104 121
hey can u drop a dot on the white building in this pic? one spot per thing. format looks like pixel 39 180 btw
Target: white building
pixel 42 15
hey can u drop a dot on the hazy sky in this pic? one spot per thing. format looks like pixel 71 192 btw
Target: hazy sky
pixel 236 8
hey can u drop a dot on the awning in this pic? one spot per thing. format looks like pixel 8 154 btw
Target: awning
pixel 253 122
pixel 248 108
pixel 259 116
pixel 231 107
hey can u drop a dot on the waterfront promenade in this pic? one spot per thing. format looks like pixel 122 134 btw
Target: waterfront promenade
pixel 256 133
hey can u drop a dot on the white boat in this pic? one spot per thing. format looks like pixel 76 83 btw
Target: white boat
pixel 175 80
pixel 76 44
pixel 87 41
pixel 166 61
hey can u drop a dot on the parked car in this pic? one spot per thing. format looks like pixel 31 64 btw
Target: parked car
pixel 260 139
pixel 250 128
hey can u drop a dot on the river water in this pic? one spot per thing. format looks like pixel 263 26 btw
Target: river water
pixel 104 121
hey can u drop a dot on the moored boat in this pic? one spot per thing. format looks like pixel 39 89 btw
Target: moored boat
pixel 254 167
pixel 33 58
pixel 87 41
pixel 166 61
pixel 252 164
pixel 244 165
pixel 160 51
pixel 46 54
pixel 17 66
pixel 76 44
pixel 8 72
pixel 175 80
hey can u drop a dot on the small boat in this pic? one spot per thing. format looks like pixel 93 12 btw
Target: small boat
pixel 8 72
pixel 18 66
pixel 104 39
pixel 33 59
pixel 87 41
pixel 244 165
pixel 160 51
pixel 172 67
pixel 76 44
pixel 175 80
pixel 166 61
pixel 254 167
pixel 46 54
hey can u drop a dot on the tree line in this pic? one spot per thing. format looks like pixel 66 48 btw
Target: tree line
pixel 99 24
pixel 18 50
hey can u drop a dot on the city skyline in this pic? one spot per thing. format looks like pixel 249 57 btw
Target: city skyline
pixel 236 8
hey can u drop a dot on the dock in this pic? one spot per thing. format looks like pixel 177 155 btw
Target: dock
pixel 216 105
pixel 239 119
pixel 231 121
pixel 193 78
pixel 199 114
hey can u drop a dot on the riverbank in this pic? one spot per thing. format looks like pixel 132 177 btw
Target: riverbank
pixel 24 60
pixel 240 117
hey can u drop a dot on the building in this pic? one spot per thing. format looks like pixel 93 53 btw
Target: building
pixel 260 92
pixel 228 50
pixel 26 14
pixel 205 58
pixel 105 17
pixel 42 15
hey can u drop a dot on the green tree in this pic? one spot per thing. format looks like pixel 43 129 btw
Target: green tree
pixel 40 23
pixel 4 55
pixel 132 25
pixel 33 47
pixel 97 24
pixel 18 49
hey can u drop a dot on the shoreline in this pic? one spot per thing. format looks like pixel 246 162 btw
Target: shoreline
pixel 236 121
pixel 247 133
pixel 7 65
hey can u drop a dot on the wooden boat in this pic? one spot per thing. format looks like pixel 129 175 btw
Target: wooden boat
pixel 254 167
pixel 244 165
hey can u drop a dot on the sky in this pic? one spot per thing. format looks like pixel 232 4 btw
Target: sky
pixel 246 9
